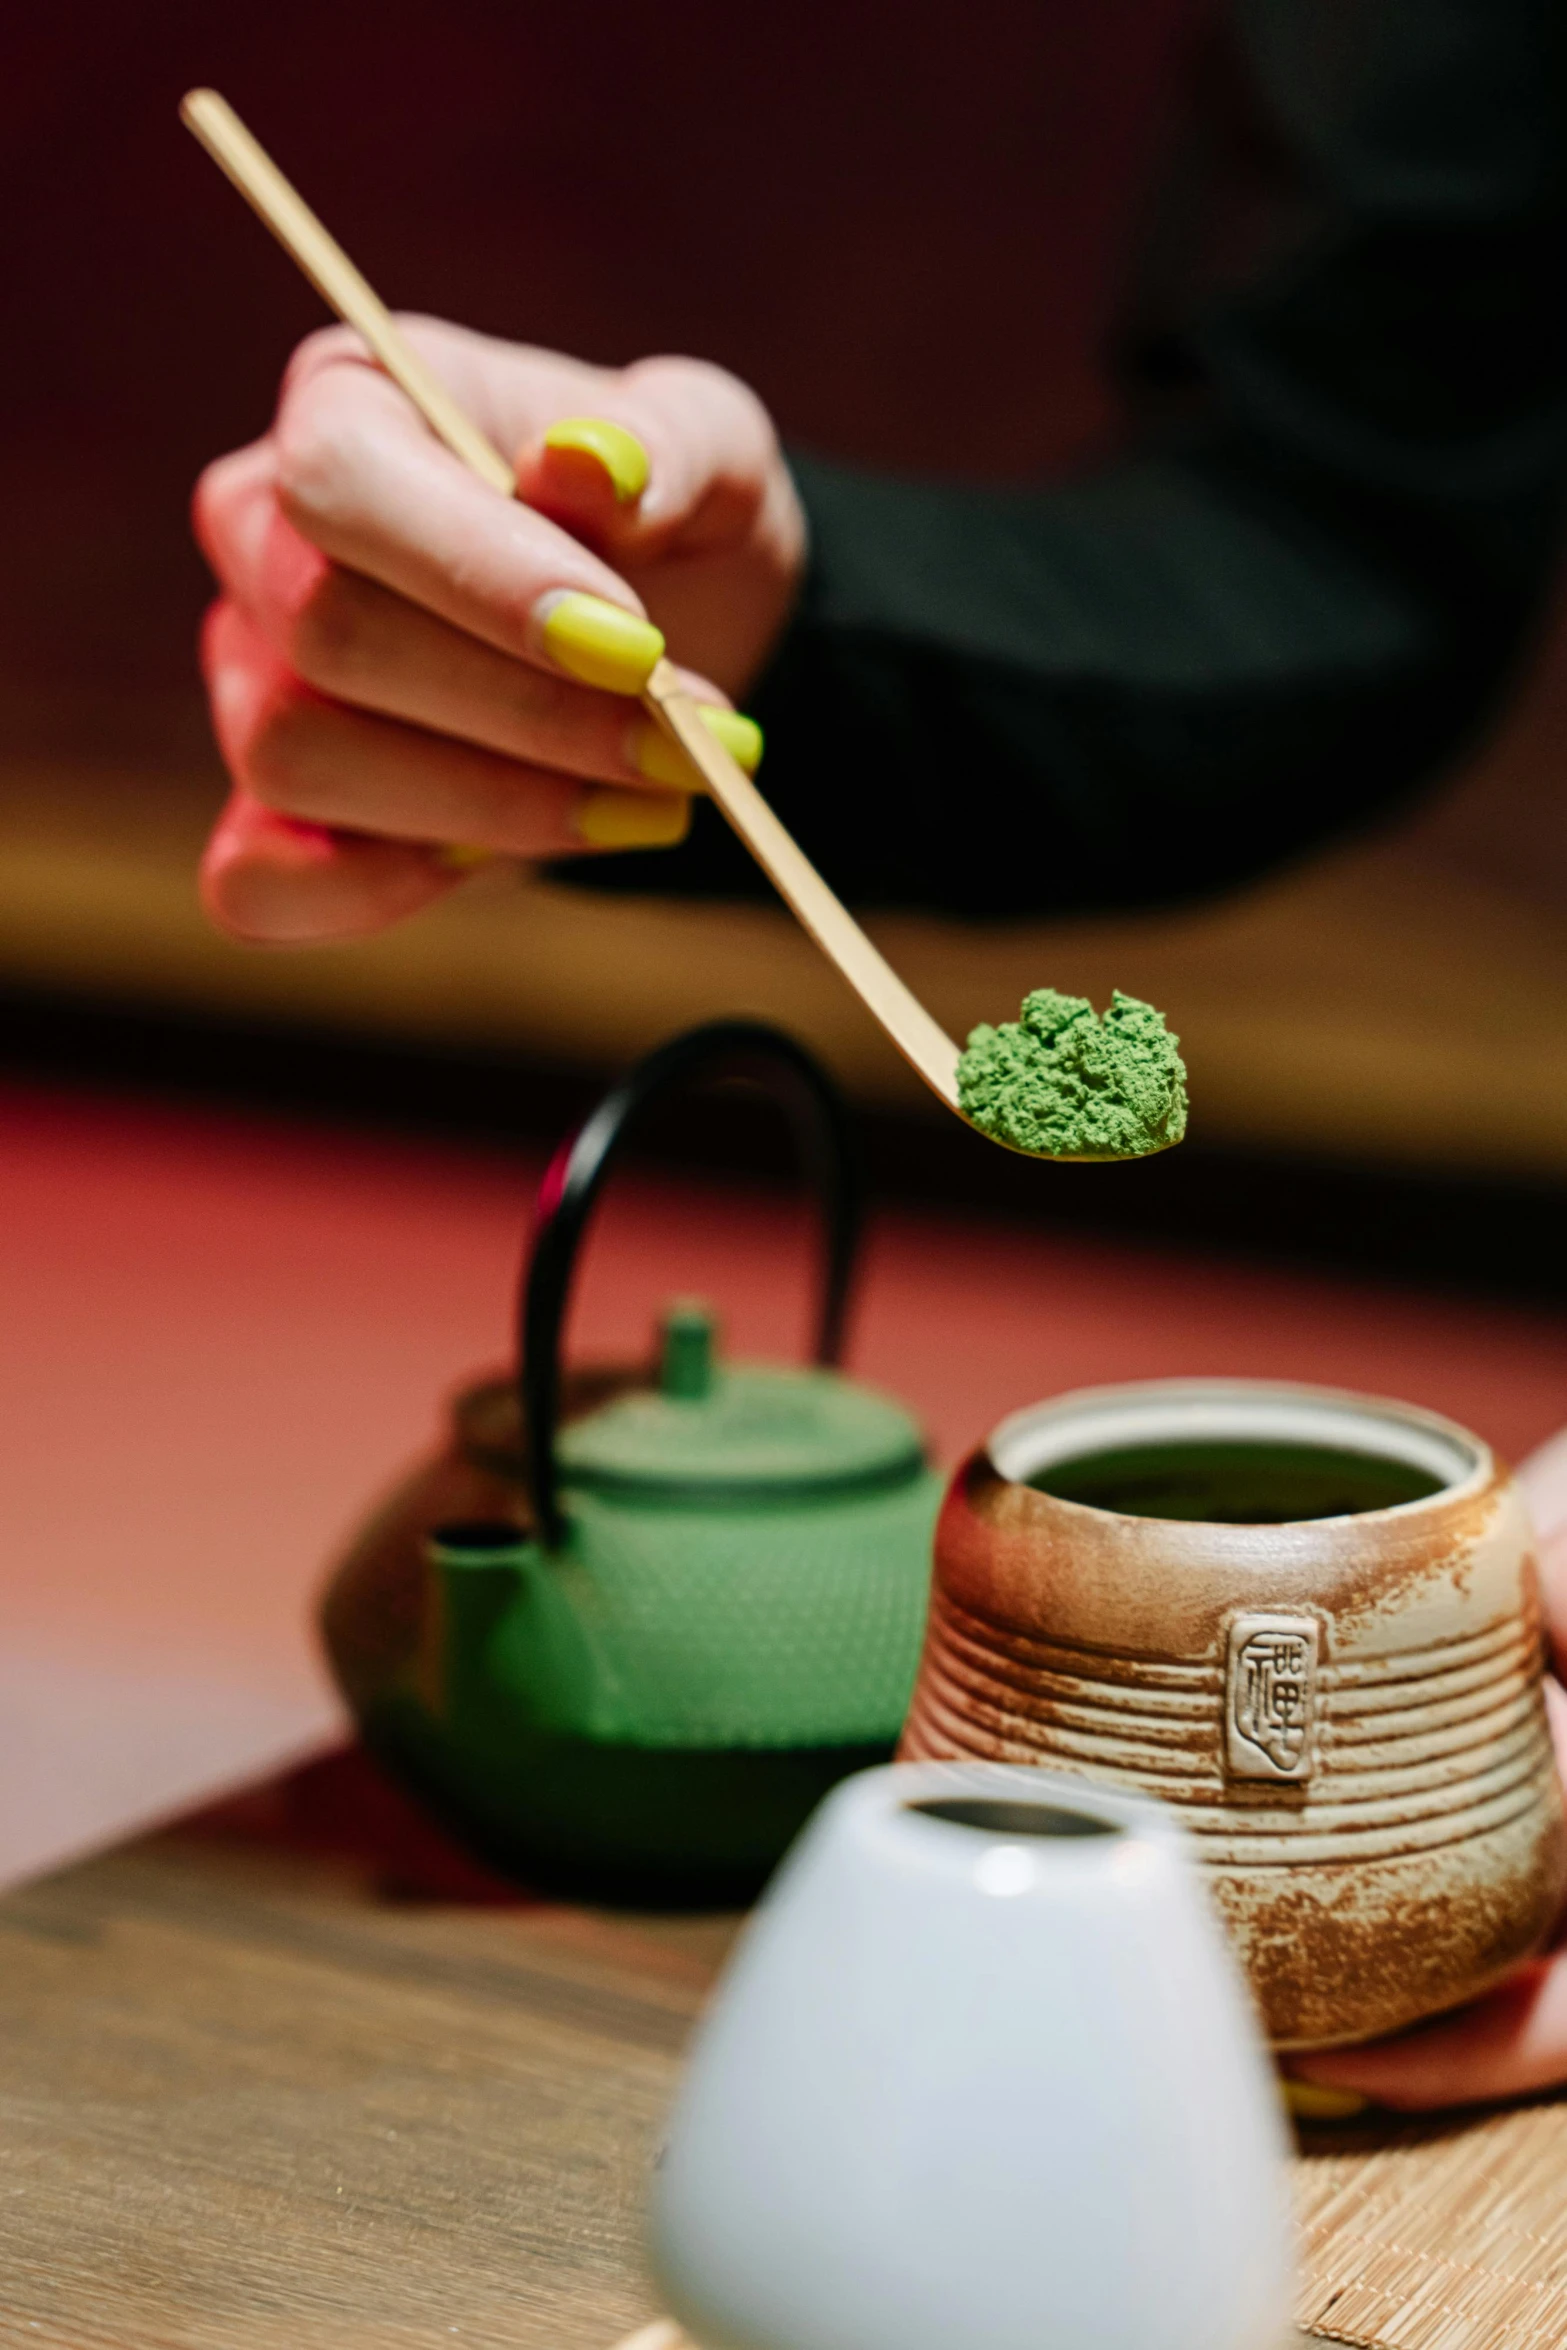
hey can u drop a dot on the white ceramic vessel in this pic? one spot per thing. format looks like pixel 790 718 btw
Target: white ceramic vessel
pixel 982 2075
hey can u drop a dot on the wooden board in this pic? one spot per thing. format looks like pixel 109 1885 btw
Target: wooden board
pixel 245 2107
pixel 253 2098
pixel 1396 1000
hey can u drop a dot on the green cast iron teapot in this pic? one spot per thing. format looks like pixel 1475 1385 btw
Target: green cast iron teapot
pixel 631 1625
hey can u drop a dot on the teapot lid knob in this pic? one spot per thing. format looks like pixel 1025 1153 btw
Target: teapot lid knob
pixel 687 1329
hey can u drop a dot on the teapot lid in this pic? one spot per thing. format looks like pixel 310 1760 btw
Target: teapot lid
pixel 714 1431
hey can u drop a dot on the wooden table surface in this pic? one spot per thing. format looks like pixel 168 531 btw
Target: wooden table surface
pixel 295 2076
pixel 247 2101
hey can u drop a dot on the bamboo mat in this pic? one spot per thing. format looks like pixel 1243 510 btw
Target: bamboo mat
pixel 1447 2234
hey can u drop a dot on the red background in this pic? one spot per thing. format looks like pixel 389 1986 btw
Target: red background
pixel 909 225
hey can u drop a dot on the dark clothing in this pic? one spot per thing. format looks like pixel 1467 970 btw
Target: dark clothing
pixel 1167 676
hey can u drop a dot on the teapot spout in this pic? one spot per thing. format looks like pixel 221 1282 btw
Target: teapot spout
pixel 480 1566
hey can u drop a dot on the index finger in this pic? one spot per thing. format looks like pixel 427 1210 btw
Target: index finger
pixel 360 476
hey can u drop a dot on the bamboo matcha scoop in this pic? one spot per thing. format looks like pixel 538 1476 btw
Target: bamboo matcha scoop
pixel 1050 1095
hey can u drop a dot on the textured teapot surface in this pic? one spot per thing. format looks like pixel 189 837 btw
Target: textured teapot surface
pixel 1347 1710
pixel 732 1621
pixel 627 1631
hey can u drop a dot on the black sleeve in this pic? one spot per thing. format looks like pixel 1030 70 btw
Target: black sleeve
pixel 1164 677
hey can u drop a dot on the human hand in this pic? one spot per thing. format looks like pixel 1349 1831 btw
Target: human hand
pixel 406 669
pixel 1512 2042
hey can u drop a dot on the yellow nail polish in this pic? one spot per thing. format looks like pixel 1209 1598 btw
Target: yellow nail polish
pixel 659 757
pixel 619 452
pixel 1315 2101
pixel 459 856
pixel 608 818
pixel 600 643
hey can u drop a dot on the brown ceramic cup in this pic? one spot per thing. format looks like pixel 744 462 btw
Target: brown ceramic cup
pixel 1307 1619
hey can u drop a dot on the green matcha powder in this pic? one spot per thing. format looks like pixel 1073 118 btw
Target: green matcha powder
pixel 1063 1084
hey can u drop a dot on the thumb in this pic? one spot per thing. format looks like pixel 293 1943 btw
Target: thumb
pixel 1543 1477
pixel 588 473
pixel 676 456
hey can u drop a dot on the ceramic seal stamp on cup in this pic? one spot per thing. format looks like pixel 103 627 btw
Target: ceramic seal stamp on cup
pixel 1307 1619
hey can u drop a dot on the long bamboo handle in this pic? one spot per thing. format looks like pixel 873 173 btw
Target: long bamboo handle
pixel 919 1037
pixel 337 281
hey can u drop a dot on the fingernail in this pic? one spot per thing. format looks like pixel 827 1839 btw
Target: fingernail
pixel 460 856
pixel 619 452
pixel 600 643
pixel 607 818
pixel 1314 2101
pixel 657 756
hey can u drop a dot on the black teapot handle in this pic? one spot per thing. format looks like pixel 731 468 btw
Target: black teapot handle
pixel 743 1049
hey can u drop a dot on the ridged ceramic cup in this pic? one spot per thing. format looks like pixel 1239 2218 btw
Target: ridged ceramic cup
pixel 1346 1710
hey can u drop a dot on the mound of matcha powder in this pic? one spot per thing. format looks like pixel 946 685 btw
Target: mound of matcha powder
pixel 1062 1083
